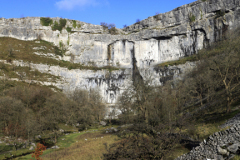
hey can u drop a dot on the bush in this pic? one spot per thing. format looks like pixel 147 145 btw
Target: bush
pixel 157 17
pixel 104 25
pixel 69 29
pixel 138 21
pixel 220 13
pixel 46 21
pixel 74 24
pixel 59 26
pixel 113 31
pixel 63 22
pixel 192 18
pixel 111 27
pixel 55 26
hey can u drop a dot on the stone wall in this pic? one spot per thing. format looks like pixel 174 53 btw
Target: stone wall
pixel 219 146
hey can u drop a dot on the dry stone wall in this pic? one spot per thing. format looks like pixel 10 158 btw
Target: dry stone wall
pixel 221 145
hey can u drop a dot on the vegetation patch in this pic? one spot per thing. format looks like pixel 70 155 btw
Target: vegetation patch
pixel 192 18
pixel 59 26
pixel 183 60
pixel 194 106
pixel 74 24
pixel 111 28
pixel 90 145
pixel 79 26
pixel 220 13
pixel 25 73
pixel 46 21
pixel 23 50
pixel 69 29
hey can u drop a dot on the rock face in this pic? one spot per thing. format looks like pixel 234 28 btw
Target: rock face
pixel 219 146
pixel 164 37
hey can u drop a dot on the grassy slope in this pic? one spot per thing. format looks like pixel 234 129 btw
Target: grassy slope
pixel 74 146
pixel 13 49
pixel 27 73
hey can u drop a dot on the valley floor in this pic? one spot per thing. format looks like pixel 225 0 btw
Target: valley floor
pixel 93 143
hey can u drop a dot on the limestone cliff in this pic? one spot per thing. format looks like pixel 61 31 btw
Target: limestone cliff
pixel 164 37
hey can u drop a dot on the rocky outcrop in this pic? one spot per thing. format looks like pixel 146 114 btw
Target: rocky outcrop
pixel 219 146
pixel 164 37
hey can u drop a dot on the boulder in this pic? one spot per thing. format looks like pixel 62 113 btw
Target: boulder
pixel 233 148
pixel 31 148
pixel 55 147
pixel 103 123
pixel 38 136
pixel 222 151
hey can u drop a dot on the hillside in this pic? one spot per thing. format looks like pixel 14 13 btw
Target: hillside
pixel 161 38
pixel 170 80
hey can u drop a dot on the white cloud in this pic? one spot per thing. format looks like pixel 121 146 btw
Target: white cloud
pixel 70 4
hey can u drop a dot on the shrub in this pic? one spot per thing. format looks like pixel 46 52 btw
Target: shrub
pixel 192 18
pixel 74 24
pixel 63 22
pixel 220 13
pixel 104 25
pixel 46 21
pixel 58 51
pixel 39 151
pixel 111 27
pixel 113 31
pixel 137 21
pixel 59 26
pixel 69 29
pixel 55 26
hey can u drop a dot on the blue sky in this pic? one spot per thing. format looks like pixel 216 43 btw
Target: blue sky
pixel 119 12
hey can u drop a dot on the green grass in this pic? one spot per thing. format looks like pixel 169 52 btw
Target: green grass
pixel 22 73
pixel 7 151
pixel 176 151
pixel 23 50
pixel 237 157
pixel 68 141
pixel 5 148
pixel 67 128
pixel 180 61
pixel 93 148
